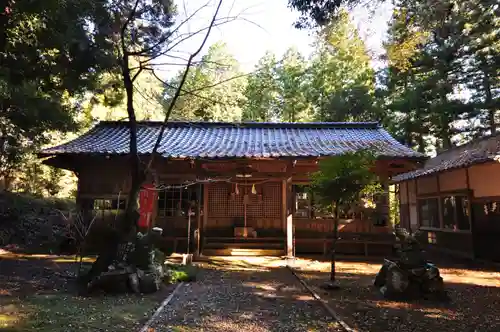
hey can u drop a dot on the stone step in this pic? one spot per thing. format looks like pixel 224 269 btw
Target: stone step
pixel 243 252
pixel 242 245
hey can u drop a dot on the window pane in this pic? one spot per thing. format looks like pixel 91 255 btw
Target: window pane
pixel 301 201
pixel 429 216
pixel 449 207
pixel 463 213
pixel 107 204
pixel 98 204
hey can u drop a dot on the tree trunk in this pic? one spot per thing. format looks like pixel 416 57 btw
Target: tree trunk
pixel 334 242
pixel 129 220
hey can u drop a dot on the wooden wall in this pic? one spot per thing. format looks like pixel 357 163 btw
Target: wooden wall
pixel 225 208
pixel 481 183
pixel 485 179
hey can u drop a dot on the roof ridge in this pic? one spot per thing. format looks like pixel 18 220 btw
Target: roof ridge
pixel 249 124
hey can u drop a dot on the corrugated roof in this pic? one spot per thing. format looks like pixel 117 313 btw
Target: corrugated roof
pixel 477 151
pixel 237 140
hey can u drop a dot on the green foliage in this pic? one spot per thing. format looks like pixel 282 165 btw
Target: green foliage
pixel 48 59
pixel 181 273
pixel 261 91
pixel 277 89
pixel 344 179
pixel 24 221
pixel 111 103
pixel 435 53
pixel 318 12
pixel 342 82
pixel 394 213
pixel 336 84
pixel 213 90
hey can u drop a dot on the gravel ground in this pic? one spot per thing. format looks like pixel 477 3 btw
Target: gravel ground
pixel 474 293
pixel 237 296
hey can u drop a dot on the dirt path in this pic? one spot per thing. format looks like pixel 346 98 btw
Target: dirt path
pixel 241 296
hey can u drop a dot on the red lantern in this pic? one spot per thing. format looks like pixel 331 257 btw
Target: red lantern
pixel 147 198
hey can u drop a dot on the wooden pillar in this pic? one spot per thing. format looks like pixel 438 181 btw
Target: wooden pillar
pixel 440 205
pixel 205 216
pixel 471 217
pixel 287 216
pixel 408 201
pixel 383 200
pixel 416 202
pixel 199 219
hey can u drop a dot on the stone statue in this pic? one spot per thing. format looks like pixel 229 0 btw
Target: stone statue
pixel 410 275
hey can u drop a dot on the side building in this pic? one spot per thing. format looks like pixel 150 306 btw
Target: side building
pixel 454 200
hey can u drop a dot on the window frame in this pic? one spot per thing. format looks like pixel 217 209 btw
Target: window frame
pixel 113 204
pixel 440 196
pixel 438 212
pixel 309 200
pixel 170 207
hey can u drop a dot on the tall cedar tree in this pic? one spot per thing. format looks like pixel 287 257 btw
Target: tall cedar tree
pixel 342 81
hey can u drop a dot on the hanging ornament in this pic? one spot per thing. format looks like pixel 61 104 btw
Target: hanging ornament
pixel 236 190
pixel 254 191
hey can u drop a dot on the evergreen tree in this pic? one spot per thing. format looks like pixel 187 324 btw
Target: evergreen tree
pixel 49 58
pixel 261 92
pixel 342 81
pixel 213 90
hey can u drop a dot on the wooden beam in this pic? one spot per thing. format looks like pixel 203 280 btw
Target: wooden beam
pixel 287 217
pixel 440 205
pixel 407 183
pixel 205 206
pixel 471 218
pixel 416 203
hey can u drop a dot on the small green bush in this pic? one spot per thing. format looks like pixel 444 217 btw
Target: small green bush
pixel 181 273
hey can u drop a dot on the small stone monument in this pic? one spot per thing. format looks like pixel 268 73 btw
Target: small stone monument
pixel 411 275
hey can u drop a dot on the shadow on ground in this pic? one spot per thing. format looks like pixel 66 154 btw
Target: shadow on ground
pixel 473 288
pixel 38 293
pixel 244 294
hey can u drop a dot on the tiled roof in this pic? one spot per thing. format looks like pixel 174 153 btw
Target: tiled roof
pixel 478 151
pixel 237 140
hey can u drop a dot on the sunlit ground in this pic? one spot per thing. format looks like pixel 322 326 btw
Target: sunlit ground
pixel 4 254
pixel 474 298
pixel 453 275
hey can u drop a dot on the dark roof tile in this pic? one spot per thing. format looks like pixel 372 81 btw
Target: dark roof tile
pixel 477 151
pixel 237 140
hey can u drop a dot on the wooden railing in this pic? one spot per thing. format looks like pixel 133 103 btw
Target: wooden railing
pixel 365 240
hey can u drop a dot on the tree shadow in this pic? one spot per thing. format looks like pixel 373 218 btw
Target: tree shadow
pixel 39 292
pixel 473 306
pixel 258 294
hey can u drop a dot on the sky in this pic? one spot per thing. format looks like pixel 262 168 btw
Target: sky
pixel 257 26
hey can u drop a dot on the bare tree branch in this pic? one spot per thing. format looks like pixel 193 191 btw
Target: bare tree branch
pixel 187 36
pixel 147 50
pixel 125 25
pixel 181 83
pixel 139 70
pixel 187 92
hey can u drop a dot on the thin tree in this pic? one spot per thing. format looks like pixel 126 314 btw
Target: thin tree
pixel 340 181
pixel 144 30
